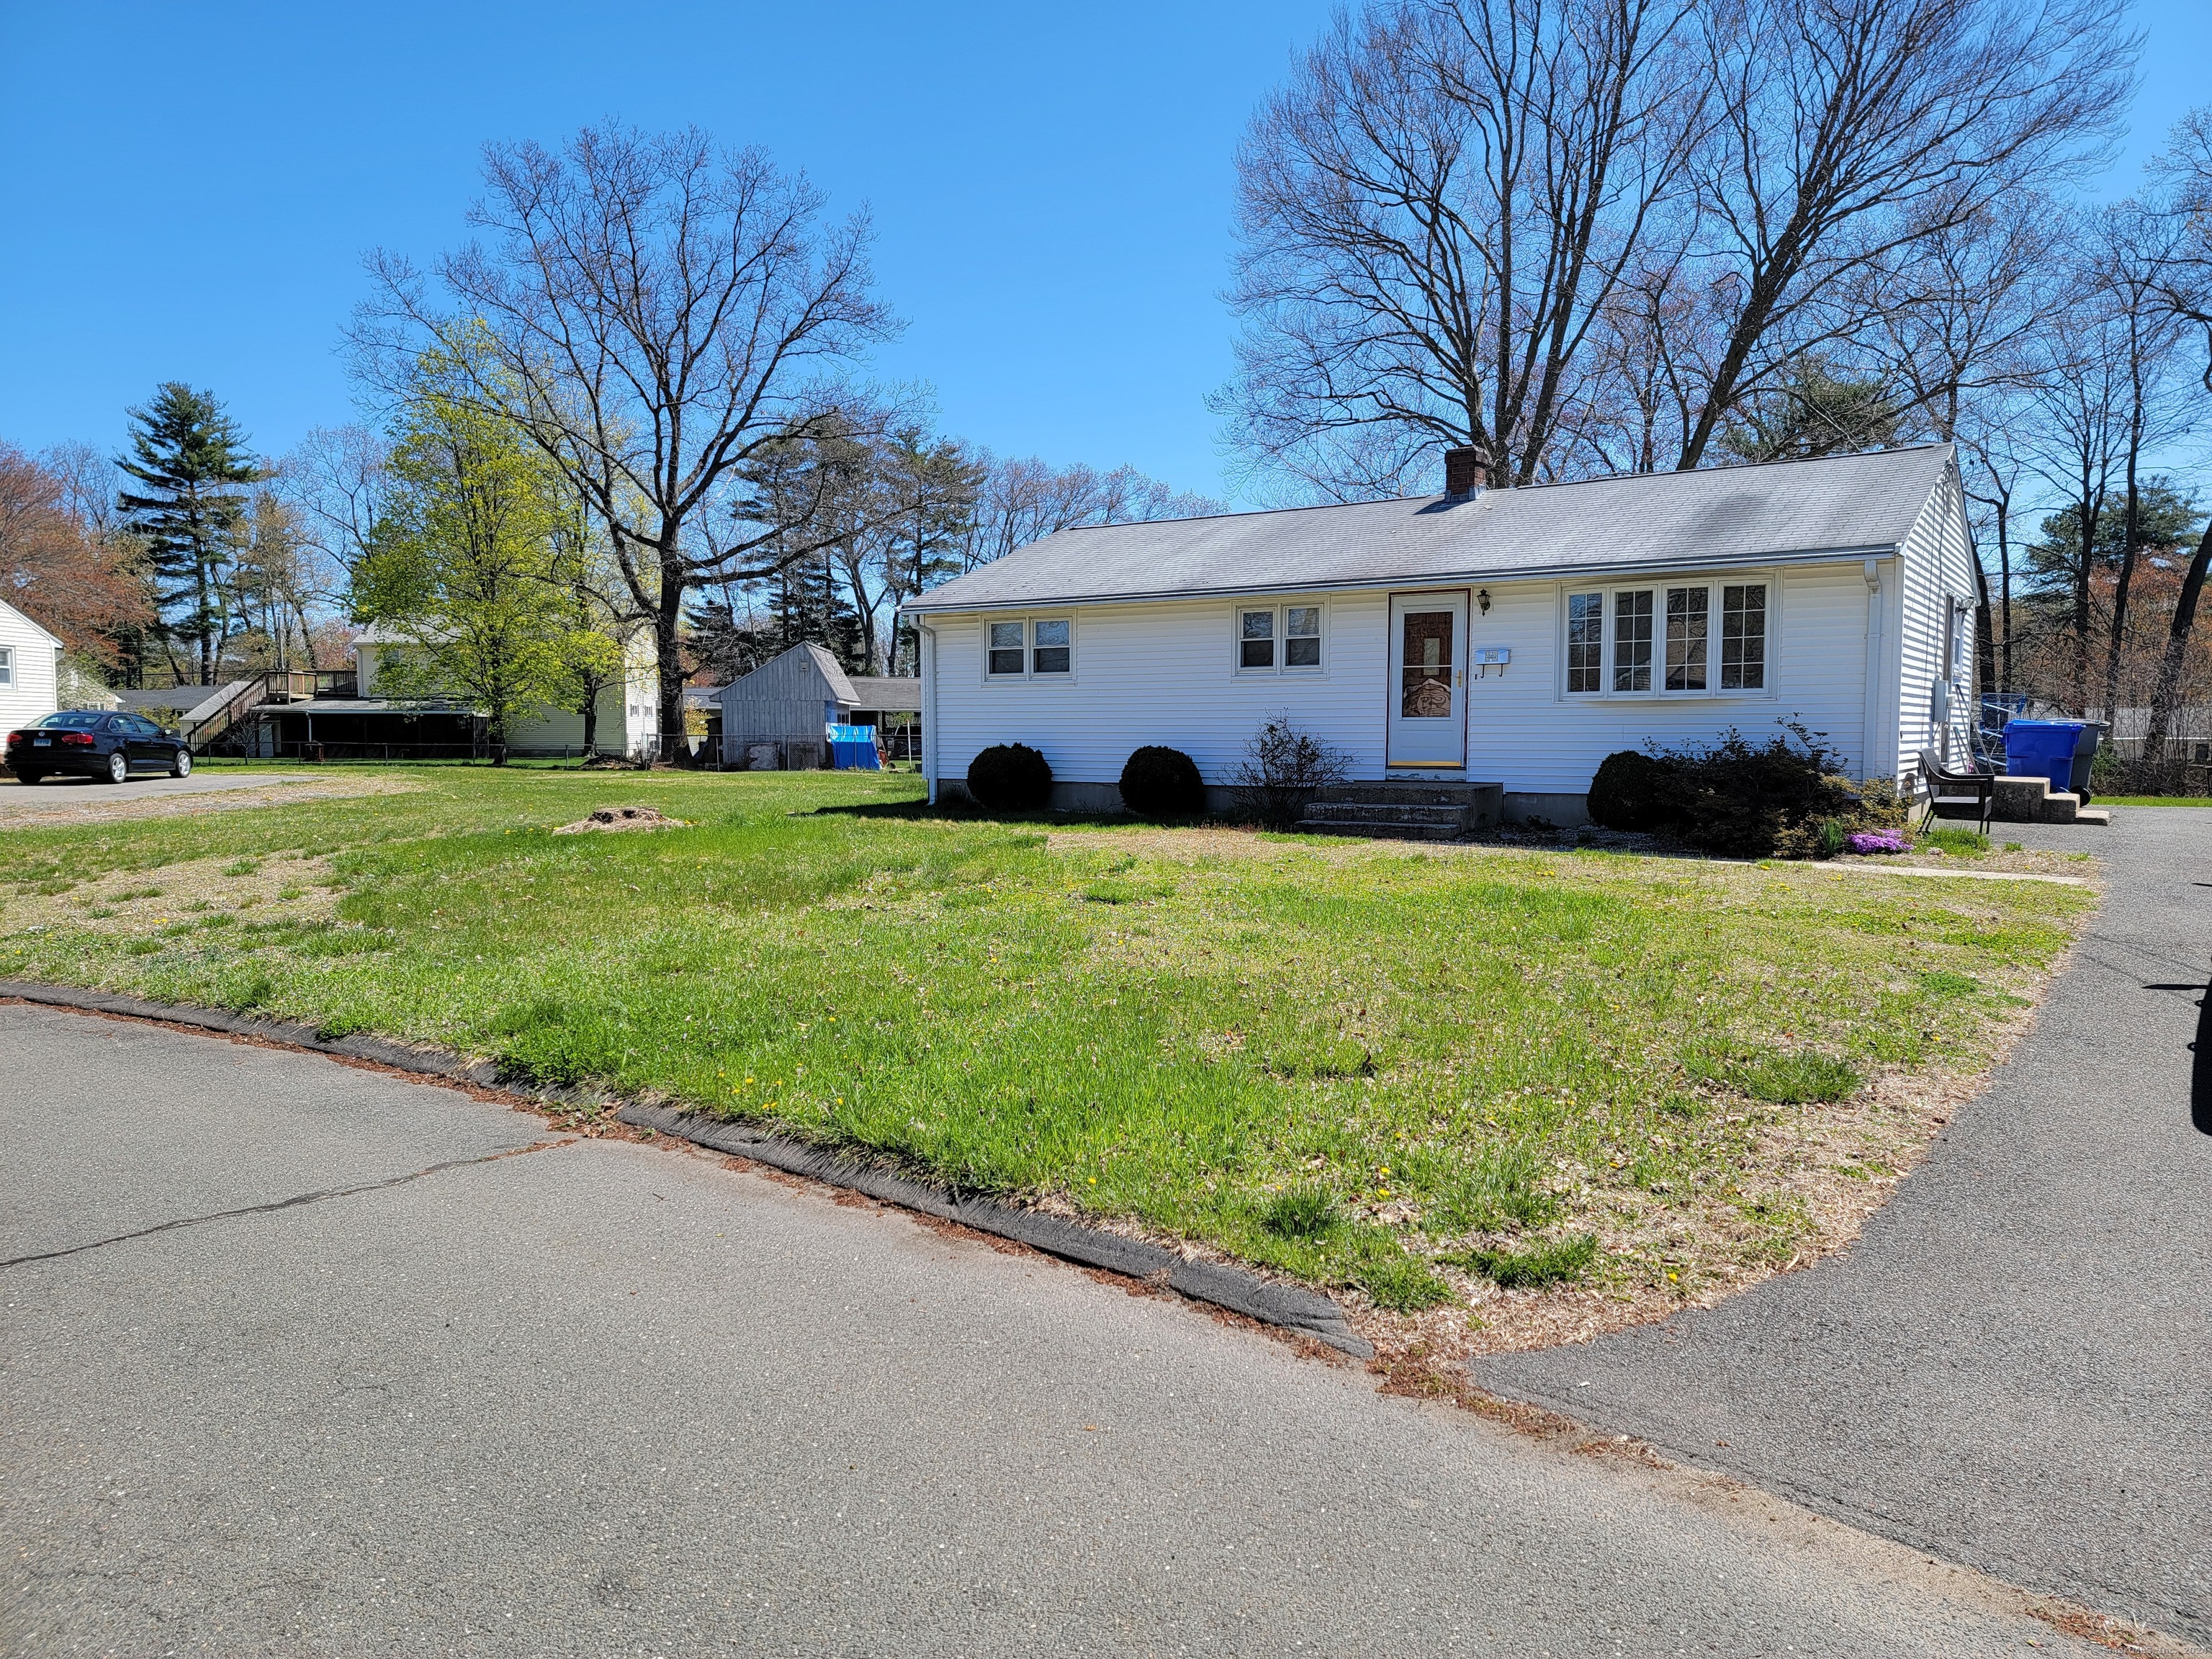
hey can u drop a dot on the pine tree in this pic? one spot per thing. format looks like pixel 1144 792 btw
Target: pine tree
pixel 196 466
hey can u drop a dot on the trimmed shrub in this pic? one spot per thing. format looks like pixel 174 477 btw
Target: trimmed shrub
pixel 1009 777
pixel 1632 791
pixel 1740 799
pixel 1159 782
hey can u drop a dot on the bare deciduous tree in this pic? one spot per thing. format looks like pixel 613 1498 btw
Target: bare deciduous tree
pixel 1435 214
pixel 653 311
pixel 1849 131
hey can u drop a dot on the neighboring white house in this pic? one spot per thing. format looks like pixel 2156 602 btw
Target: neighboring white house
pixel 1510 636
pixel 628 711
pixel 30 669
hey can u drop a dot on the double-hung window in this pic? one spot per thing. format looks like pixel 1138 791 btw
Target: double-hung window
pixel 1680 638
pixel 6 665
pixel 1038 648
pixel 1277 639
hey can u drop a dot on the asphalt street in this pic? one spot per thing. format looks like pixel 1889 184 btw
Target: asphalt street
pixel 2013 1366
pixel 302 1359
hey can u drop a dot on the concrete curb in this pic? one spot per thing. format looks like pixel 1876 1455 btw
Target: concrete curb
pixel 1287 1306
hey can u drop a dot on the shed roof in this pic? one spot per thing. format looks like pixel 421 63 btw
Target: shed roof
pixel 1840 505
pixel 882 692
pixel 836 686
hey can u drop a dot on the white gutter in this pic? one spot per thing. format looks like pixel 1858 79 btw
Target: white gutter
pixel 928 706
pixel 1605 570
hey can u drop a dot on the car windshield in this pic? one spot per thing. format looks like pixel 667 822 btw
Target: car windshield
pixel 73 719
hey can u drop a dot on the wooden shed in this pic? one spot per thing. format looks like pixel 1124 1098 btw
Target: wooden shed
pixel 776 716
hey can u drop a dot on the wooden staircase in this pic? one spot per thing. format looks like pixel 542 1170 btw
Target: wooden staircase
pixel 242 699
pixel 1397 809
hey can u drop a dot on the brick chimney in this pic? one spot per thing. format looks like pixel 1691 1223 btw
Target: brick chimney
pixel 1463 471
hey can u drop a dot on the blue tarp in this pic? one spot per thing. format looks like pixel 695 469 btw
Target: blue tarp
pixel 853 748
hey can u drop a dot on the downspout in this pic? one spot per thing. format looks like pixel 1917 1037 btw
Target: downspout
pixel 1870 570
pixel 929 636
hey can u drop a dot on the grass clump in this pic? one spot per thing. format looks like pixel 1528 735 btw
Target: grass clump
pixel 1792 1078
pixel 1501 1190
pixel 1305 1211
pixel 1949 838
pixel 1551 1262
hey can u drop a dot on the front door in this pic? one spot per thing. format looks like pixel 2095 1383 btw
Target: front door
pixel 1428 681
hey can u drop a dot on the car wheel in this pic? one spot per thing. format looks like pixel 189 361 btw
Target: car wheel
pixel 118 768
pixel 28 777
pixel 180 764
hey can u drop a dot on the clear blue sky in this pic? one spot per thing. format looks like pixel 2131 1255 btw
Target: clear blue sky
pixel 188 189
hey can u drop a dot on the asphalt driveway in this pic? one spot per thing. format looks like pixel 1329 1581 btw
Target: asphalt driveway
pixel 2013 1367
pixel 58 794
pixel 305 1360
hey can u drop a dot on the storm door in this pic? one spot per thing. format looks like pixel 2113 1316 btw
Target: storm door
pixel 1427 691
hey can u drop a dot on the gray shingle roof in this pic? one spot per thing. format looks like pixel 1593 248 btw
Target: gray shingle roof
pixel 893 693
pixel 1843 504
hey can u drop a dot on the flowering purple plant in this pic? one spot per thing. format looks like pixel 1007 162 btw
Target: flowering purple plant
pixel 1877 841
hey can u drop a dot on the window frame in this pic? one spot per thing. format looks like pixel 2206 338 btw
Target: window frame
pixel 7 667
pixel 1278 665
pixel 1715 586
pixel 1027 621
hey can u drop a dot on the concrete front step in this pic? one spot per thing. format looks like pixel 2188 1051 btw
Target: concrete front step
pixel 2033 800
pixel 1382 830
pixel 1365 811
pixel 1424 792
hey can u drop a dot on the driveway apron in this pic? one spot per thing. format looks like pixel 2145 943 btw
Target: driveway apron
pixel 2013 1366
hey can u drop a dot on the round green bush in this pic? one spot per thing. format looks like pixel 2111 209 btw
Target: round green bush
pixel 1159 782
pixel 1009 777
pixel 1630 792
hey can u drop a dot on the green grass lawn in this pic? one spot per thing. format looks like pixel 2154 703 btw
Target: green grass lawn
pixel 1364 1064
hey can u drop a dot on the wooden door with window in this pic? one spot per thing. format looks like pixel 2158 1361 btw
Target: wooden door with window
pixel 1427 692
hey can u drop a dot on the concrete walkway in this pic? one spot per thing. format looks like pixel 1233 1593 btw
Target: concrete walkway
pixel 2013 1367
pixel 307 1360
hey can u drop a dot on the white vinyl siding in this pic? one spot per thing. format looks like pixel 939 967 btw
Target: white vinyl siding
pixel 29 690
pixel 1935 575
pixel 1166 672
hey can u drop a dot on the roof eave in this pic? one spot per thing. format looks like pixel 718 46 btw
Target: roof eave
pixel 1606 569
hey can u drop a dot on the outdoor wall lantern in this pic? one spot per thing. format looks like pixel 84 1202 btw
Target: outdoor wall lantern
pixel 1482 599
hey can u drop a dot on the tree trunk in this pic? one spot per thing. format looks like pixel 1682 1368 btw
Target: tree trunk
pixel 2120 598
pixel 589 708
pixel 1985 641
pixel 668 650
pixel 2177 650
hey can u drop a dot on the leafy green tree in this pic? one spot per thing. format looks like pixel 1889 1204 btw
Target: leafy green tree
pixel 1816 412
pixel 193 460
pixel 2166 520
pixel 471 565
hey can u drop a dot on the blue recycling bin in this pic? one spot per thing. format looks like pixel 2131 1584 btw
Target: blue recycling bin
pixel 2043 748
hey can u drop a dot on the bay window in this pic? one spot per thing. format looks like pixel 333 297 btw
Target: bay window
pixel 1681 638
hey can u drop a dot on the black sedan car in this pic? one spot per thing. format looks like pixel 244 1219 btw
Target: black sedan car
pixel 88 743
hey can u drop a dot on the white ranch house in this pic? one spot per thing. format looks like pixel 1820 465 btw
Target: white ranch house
pixel 1506 636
